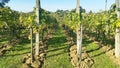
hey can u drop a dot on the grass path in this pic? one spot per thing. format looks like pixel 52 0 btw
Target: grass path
pixel 13 57
pixel 98 55
pixel 57 56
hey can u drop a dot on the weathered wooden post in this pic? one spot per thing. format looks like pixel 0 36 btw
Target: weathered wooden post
pixel 31 33
pixel 117 33
pixel 37 22
pixel 79 34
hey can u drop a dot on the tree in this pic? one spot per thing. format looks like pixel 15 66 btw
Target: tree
pixel 113 7
pixel 2 2
pixel 37 21
pixel 117 33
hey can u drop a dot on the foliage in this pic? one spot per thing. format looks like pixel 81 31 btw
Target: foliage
pixel 18 23
pixel 2 2
pixel 102 23
pixel 118 23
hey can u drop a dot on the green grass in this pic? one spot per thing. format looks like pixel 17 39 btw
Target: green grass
pixel 13 57
pixel 3 40
pixel 57 56
pixel 100 58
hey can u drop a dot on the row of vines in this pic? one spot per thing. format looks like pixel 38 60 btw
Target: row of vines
pixel 99 27
pixel 16 26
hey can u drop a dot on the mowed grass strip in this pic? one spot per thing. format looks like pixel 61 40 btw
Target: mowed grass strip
pixel 101 60
pixel 13 57
pixel 57 56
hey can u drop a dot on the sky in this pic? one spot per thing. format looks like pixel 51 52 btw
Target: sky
pixel 53 5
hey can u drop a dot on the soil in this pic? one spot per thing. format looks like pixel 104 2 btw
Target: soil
pixel 86 61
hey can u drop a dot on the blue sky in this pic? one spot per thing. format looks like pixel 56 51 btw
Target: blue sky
pixel 53 5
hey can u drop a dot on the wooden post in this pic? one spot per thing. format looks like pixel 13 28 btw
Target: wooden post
pixel 117 33
pixel 31 33
pixel 37 22
pixel 79 33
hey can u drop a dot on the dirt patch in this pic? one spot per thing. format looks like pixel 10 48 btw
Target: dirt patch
pixel 86 61
pixel 106 48
pixel 110 52
pixel 38 61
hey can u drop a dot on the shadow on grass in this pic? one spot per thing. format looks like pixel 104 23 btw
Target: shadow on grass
pixel 16 54
pixel 24 41
pixel 57 41
pixel 110 42
pixel 86 41
pixel 98 54
pixel 57 49
pixel 93 50
pixel 57 54
pixel 3 39
pixel 103 40
pixel 18 49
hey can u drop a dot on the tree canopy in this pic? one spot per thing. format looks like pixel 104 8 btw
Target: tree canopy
pixel 3 2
